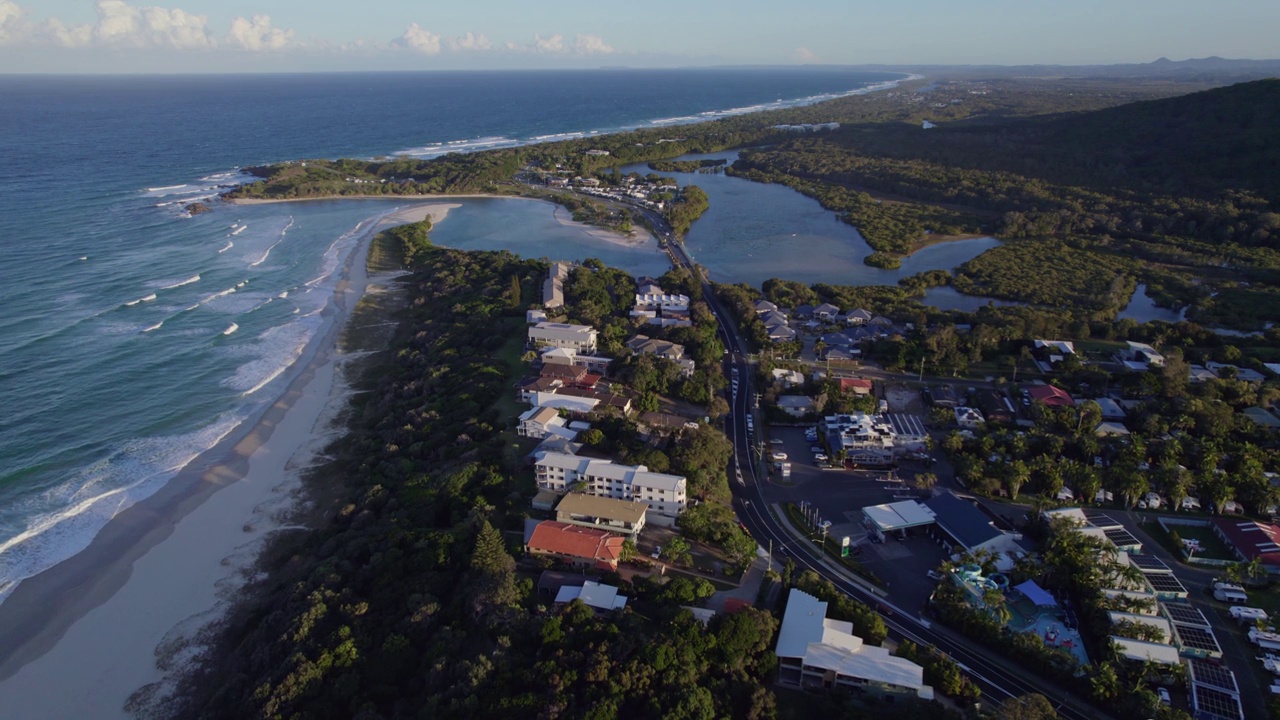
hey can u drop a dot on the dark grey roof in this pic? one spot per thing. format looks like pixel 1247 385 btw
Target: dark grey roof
pixel 965 522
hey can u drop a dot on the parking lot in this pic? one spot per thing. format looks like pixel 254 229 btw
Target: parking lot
pixel 839 496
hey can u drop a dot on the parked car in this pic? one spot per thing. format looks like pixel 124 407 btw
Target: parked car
pixel 657 553
pixel 1164 696
pixel 820 458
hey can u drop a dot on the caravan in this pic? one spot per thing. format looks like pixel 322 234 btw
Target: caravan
pixel 1226 592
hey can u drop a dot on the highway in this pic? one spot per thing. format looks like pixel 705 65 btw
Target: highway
pixel 998 677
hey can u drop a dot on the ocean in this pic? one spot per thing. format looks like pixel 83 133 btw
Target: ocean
pixel 133 337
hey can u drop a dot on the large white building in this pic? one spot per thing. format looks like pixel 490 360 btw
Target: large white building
pixel 664 494
pixel 581 338
pixel 816 652
pixel 875 438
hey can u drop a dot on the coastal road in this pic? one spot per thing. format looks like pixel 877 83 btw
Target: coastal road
pixel 999 678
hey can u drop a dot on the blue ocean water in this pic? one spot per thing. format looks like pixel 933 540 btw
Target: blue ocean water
pixel 133 337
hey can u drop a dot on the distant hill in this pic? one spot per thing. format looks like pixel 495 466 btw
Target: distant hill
pixel 1196 144
pixel 1199 144
pixel 1204 69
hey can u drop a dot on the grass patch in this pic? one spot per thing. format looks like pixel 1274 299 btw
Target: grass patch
pixel 1211 547
pixel 510 354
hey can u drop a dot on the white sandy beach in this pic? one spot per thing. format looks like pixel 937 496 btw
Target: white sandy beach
pixel 79 640
pixel 440 207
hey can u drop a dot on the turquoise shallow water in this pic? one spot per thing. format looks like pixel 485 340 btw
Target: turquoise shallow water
pixel 132 337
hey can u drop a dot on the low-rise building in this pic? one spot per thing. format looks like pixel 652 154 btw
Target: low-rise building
pixel 815 652
pixel 603 513
pixel 543 422
pixel 1250 540
pixel 796 405
pixel 664 494
pixel 580 546
pixel 1050 396
pixel 553 287
pixel 597 596
pixel 563 335
pixel 594 364
pixel 1139 357
pixel 645 345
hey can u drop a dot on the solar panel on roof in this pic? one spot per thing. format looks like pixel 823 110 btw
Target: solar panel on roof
pixel 1185 613
pixel 1215 676
pixel 1165 583
pixel 1216 703
pixel 1121 537
pixel 1196 637
pixel 1149 562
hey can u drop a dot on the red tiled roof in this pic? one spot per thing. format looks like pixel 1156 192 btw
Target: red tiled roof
pixel 1051 396
pixel 855 384
pixel 1252 539
pixel 575 541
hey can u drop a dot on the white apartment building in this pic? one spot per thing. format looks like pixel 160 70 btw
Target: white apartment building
pixel 563 335
pixel 664 494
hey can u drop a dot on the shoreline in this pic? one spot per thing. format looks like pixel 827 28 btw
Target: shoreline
pixel 415 213
pixel 114 623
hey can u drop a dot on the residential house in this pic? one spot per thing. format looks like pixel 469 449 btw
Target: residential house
pixel 594 364
pixel 664 423
pixel 1223 370
pixel 781 333
pixel 857 317
pixel 826 312
pixel 764 306
pixel 1138 357
pixel 842 354
pixel 664 494
pixel 857 386
pixel 598 597
pixel 566 374
pixel 944 396
pixel 815 652
pixel 1111 409
pixel 644 345
pixel 802 312
pixel 1108 428
pixel 581 338
pixel 1050 354
pixel 580 546
pixel 1050 396
pixel 995 405
pixel 563 399
pixel 788 378
pixel 603 513
pixel 533 317
pixel 796 405
pixel 662 309
pixel 541 422
pixel 773 317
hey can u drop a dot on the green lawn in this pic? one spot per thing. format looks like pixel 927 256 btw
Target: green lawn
pixel 1211 547
pixel 508 407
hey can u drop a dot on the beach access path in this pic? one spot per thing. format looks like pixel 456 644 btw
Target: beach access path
pixel 81 639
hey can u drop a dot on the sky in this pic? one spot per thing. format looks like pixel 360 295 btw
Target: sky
pixel 94 36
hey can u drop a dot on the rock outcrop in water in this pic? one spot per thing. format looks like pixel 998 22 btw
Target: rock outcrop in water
pixel 197 208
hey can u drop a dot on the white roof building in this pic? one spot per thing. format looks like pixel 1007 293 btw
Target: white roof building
pixel 1141 651
pixel 594 595
pixel 665 494
pixel 563 335
pixel 816 652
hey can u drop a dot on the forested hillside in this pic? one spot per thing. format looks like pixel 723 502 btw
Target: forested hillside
pixel 1189 187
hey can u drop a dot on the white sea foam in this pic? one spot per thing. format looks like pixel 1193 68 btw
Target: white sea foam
pixel 83 258
pixel 229 245
pixel 230 329
pixel 267 254
pixel 157 326
pixel 283 295
pixel 179 283
pixel 274 351
pixel 238 230
pixel 145 298
pixel 166 187
pixel 61 521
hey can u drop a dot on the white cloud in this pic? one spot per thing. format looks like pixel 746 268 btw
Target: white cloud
pixel 470 41
pixel 11 22
pixel 420 40
pixel 553 44
pixel 257 34
pixel 591 45
pixel 123 25
pixel 803 55
pixel 581 45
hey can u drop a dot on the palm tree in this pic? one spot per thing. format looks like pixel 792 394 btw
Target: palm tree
pixel 1255 570
pixel 997 605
